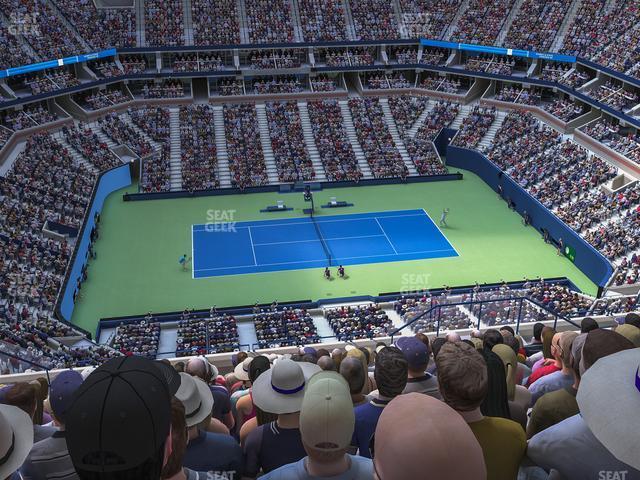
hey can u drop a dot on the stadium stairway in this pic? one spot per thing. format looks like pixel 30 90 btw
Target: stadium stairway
pixel 140 24
pixel 221 147
pixel 411 133
pixel 72 30
pixel 10 160
pixel 246 332
pixel 462 114
pixel 265 141
pixel 566 23
pixel 322 327
pixel 80 159
pixel 351 31
pixel 175 158
pixel 127 119
pixel 506 26
pixel 188 22
pixel 353 138
pixel 487 140
pixel 24 44
pixel 397 139
pixel 309 140
pixel 103 136
pixel 242 14
pixel 295 21
pixel 452 26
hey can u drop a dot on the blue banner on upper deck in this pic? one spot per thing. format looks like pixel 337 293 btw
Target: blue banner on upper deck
pixel 35 67
pixel 556 57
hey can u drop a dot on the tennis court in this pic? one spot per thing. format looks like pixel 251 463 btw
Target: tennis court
pixel 301 243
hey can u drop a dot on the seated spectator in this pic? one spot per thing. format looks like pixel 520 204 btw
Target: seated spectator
pixel 406 443
pixel 23 396
pixel 16 439
pixel 463 380
pixel 201 368
pixel 563 378
pixel 326 425
pixel 354 373
pixel 50 457
pixel 391 378
pixel 279 390
pixel 417 355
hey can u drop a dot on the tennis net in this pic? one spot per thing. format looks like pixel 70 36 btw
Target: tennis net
pixel 322 241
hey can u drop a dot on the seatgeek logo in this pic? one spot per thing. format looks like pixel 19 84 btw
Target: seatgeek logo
pixel 24 24
pixel 612 475
pixel 221 475
pixel 220 221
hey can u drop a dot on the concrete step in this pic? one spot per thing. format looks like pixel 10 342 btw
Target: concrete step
pixel 221 147
pixel 353 138
pixel 397 139
pixel 411 133
pixel 265 141
pixel 309 140
pixel 175 157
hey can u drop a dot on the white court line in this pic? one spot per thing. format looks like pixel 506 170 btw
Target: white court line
pixel 445 237
pixel 253 250
pixel 385 236
pixel 317 240
pixel 317 221
pixel 193 259
pixel 320 260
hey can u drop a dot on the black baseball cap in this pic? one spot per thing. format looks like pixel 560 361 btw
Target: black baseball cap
pixel 120 416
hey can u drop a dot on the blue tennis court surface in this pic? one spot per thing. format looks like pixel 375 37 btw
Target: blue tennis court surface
pixel 296 243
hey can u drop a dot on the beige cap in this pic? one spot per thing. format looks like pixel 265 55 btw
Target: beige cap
pixel 630 332
pixel 327 418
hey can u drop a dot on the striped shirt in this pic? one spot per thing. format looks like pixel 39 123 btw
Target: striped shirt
pixel 49 459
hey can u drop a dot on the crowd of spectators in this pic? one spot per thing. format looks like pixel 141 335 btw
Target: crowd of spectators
pixel 269 21
pixel 406 109
pixel 99 99
pixel 398 80
pixel 101 28
pixel 217 333
pixel 608 133
pixel 138 338
pixel 619 236
pixel 215 23
pixel 324 83
pixel 50 80
pixel 284 327
pixel 496 64
pixel 30 116
pixel 442 318
pixel 155 168
pixel 628 271
pixel 124 134
pixel 565 110
pixel 230 87
pixel 133 64
pixel 334 57
pixel 373 20
pixel 357 322
pixel 559 299
pixel 405 55
pixel 375 80
pixel 287 142
pixel 44 30
pixel 474 127
pixel 555 72
pixel 5 135
pixel 273 59
pixel 246 159
pixel 199 162
pixel 482 21
pixel 441 84
pixel 166 89
pixel 375 139
pixel 536 24
pixel 106 68
pixel 421 148
pixel 278 84
pixel 322 20
pixel 614 306
pixel 614 95
pixel 427 19
pixel 87 144
pixel 434 56
pixel 330 136
pixel 525 96
pixel 164 22
pixel 12 54
pixel 198 63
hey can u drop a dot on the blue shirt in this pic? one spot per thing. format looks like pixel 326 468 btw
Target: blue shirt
pixel 367 416
pixel 549 383
pixel 214 452
pixel 361 469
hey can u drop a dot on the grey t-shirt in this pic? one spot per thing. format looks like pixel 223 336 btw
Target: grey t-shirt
pixel 427 384
pixel 549 383
pixel 571 449
pixel 361 469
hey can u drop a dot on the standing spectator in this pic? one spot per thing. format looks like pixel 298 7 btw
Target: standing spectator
pixel 536 343
pixel 50 458
pixel 569 447
pixel 417 355
pixel 279 390
pixel 391 378
pixel 23 396
pixel 561 351
pixel 174 469
pixel 353 372
pixel 547 364
pixel 517 410
pixel 118 425
pixel 205 371
pixel 414 438
pixel 326 427
pixel 463 379
pixel 16 439
pixel 198 402
pixel 250 416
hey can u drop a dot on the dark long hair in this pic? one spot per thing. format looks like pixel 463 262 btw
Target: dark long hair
pixel 496 403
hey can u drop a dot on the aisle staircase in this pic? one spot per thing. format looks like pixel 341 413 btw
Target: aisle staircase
pixel 397 139
pixel 265 141
pixel 175 157
pixel 353 138
pixel 224 174
pixel 309 140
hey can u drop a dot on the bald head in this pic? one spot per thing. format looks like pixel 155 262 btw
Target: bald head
pixel 326 363
pixel 352 370
pixel 453 337
pixel 197 368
